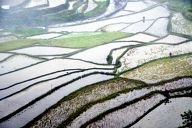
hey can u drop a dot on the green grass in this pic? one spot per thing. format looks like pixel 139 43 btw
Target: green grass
pixel 183 6
pixel 179 24
pixel 88 41
pixel 162 69
pixel 188 14
pixel 30 17
pixel 19 43
pixel 72 15
pixel 27 31
pixel 79 34
pixel 80 41
pixel 179 5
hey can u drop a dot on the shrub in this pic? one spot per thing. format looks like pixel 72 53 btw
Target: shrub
pixel 109 59
pixel 188 14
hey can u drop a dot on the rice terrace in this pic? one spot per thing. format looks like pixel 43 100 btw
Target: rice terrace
pixel 95 63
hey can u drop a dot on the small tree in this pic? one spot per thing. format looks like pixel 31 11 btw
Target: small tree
pixel 187 119
pixel 109 59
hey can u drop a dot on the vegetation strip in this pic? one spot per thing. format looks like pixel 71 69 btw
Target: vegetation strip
pixel 27 31
pixel 176 51
pixel 118 63
pixel 73 42
pixel 167 62
pixel 132 69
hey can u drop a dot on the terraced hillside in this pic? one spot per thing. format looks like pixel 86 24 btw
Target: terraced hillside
pixel 95 63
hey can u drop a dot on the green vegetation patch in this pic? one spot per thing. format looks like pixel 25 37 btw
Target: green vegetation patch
pixel 19 43
pixel 180 5
pixel 51 16
pixel 184 6
pixel 181 25
pixel 77 102
pixel 79 34
pixel 80 41
pixel 27 31
pixel 162 69
pixel 76 14
pixel 88 41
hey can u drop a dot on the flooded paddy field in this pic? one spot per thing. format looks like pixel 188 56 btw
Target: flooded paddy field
pixel 95 63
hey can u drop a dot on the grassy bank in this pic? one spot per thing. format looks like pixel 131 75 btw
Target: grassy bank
pixel 179 24
pixel 27 31
pixel 81 41
pixel 162 69
pixel 183 6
